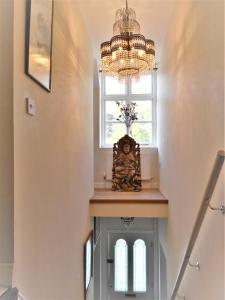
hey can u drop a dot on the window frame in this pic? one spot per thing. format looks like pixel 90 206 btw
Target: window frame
pixel 128 96
pixel 126 267
pixel 130 267
pixel 134 265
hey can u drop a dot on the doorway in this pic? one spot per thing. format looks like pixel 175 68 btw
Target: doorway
pixel 126 261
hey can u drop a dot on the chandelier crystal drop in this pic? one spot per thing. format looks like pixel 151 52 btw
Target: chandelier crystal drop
pixel 128 53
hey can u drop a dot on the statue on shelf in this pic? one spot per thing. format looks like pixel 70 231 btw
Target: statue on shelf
pixel 126 172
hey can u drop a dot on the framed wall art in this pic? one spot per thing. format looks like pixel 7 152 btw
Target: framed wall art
pixel 88 262
pixel 38 44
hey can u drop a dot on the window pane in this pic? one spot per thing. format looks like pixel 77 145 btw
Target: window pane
pixel 113 86
pixel 114 131
pixel 139 250
pixel 121 266
pixel 88 263
pixel 142 86
pixel 144 110
pixel 142 133
pixel 112 110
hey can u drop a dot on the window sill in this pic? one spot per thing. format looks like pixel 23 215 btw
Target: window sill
pixel 147 147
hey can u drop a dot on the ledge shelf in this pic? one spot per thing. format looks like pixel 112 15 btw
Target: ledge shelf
pixel 147 203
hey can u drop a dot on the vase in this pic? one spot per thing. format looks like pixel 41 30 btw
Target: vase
pixel 128 130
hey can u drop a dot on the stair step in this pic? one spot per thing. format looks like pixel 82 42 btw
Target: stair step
pixel 8 293
pixel 3 290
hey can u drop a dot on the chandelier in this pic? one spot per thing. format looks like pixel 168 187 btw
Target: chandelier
pixel 127 222
pixel 128 53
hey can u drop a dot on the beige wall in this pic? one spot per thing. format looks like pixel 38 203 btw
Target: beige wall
pixel 191 118
pixel 53 162
pixel 6 142
pixel 224 129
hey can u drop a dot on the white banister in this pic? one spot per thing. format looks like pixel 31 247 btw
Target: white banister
pixel 200 217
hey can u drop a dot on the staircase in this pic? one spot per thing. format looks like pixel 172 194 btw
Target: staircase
pixel 8 293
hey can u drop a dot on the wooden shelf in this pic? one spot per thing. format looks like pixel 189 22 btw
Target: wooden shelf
pixel 147 203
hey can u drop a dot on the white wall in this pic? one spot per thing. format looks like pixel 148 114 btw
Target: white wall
pixel 224 132
pixel 6 142
pixel 191 123
pixel 53 162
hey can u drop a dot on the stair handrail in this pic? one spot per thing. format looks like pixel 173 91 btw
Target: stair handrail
pixel 200 218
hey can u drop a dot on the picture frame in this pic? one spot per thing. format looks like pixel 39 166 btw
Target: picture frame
pixel 38 42
pixel 88 262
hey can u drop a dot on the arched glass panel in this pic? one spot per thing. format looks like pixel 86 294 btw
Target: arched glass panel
pixel 139 265
pixel 121 266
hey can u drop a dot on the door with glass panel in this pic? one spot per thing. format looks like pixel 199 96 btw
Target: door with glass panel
pixel 130 266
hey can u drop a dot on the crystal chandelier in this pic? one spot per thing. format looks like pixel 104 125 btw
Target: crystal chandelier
pixel 128 53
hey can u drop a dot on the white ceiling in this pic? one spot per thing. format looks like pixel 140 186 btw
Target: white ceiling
pixel 154 17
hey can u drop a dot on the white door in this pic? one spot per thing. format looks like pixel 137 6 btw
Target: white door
pixel 130 265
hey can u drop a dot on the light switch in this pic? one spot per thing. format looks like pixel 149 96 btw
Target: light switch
pixel 31 106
